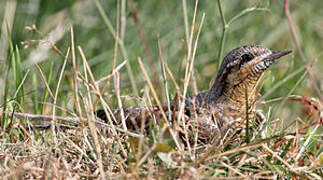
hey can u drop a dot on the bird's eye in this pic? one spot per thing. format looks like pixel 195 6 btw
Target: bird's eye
pixel 246 57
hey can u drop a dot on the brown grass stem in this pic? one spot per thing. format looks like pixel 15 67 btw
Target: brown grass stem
pixel 299 49
pixel 55 98
pixel 107 22
pixel 158 102
pixel 75 82
pixel 97 91
pixel 45 81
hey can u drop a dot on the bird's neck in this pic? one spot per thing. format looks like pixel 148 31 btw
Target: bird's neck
pixel 234 99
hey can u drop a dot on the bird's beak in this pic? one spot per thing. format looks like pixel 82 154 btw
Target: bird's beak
pixel 276 54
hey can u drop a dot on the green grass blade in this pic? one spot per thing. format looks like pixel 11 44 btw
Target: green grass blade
pixel 19 78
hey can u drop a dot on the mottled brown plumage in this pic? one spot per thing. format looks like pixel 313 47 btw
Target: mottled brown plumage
pixel 223 105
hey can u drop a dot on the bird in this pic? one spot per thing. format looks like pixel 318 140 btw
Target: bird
pixel 228 103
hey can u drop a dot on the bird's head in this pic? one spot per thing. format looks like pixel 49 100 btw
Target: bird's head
pixel 241 70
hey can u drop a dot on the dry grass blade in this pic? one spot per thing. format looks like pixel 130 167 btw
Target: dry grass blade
pixel 184 4
pixel 158 102
pixel 90 117
pixel 164 77
pixel 123 19
pixel 97 91
pixel 45 82
pixel 116 76
pixel 254 145
pixel 188 70
pixel 107 80
pixel 243 148
pixel 171 76
pixel 40 117
pixel 234 170
pixel 280 159
pixel 55 98
pixel 117 89
pixel 307 141
pixel 122 46
pixel 75 73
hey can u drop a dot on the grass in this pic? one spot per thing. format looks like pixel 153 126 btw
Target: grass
pixel 84 55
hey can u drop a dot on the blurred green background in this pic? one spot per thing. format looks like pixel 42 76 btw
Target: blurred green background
pixel 145 21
